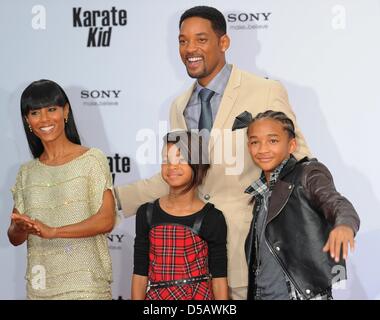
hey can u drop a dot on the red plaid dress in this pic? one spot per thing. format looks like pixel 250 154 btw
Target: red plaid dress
pixel 177 252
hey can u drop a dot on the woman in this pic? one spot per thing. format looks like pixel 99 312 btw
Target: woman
pixel 63 203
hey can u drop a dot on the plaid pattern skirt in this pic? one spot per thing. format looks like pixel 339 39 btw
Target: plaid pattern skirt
pixel 177 253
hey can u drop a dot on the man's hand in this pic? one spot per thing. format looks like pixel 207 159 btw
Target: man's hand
pixel 340 235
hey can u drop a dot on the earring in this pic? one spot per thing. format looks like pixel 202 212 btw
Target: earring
pixel 65 120
pixel 30 128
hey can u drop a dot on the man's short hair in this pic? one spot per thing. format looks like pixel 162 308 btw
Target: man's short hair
pixel 218 22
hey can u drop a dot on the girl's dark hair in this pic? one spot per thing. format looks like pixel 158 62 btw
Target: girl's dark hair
pixel 286 122
pixel 218 22
pixel 193 148
pixel 40 94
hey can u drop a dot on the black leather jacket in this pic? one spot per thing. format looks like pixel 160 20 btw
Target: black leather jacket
pixel 304 207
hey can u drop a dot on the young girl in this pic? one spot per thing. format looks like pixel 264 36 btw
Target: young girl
pixel 180 245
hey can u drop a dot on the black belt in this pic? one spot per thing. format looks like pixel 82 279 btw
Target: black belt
pixel 179 282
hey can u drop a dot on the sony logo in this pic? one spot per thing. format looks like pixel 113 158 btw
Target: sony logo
pixel 248 17
pixel 95 94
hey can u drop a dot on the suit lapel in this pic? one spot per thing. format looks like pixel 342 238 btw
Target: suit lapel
pixel 182 103
pixel 225 108
pixel 226 105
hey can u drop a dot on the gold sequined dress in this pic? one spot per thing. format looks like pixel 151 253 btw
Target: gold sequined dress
pixel 65 268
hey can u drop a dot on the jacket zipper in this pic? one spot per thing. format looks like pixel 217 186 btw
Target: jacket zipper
pixel 257 241
pixel 282 267
pixel 275 255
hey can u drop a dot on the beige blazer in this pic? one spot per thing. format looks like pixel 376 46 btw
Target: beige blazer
pixel 232 169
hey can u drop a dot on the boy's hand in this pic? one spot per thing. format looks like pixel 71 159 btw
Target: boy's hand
pixel 340 235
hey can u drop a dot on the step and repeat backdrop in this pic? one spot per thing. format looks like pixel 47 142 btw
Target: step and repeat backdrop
pixel 118 61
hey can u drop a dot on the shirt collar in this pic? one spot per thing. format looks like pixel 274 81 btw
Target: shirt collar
pixel 260 186
pixel 219 83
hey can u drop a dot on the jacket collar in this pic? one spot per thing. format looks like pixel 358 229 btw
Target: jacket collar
pixel 260 186
pixel 282 189
pixel 289 166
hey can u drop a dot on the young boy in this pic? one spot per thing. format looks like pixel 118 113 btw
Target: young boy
pixel 298 218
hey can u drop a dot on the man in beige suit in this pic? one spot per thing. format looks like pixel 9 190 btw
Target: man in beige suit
pixel 202 43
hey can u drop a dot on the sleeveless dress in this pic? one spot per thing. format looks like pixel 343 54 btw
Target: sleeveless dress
pixel 178 268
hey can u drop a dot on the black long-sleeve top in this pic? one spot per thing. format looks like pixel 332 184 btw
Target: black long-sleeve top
pixel 213 230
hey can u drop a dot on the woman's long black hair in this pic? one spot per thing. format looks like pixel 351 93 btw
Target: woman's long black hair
pixel 40 94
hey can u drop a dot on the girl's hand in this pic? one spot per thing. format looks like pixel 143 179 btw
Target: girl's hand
pixel 340 236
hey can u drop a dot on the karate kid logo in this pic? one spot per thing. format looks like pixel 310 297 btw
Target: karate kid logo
pixel 100 24
pixel 118 165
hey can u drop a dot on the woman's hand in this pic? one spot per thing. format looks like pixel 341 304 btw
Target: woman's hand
pixel 45 231
pixel 101 222
pixel 24 224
